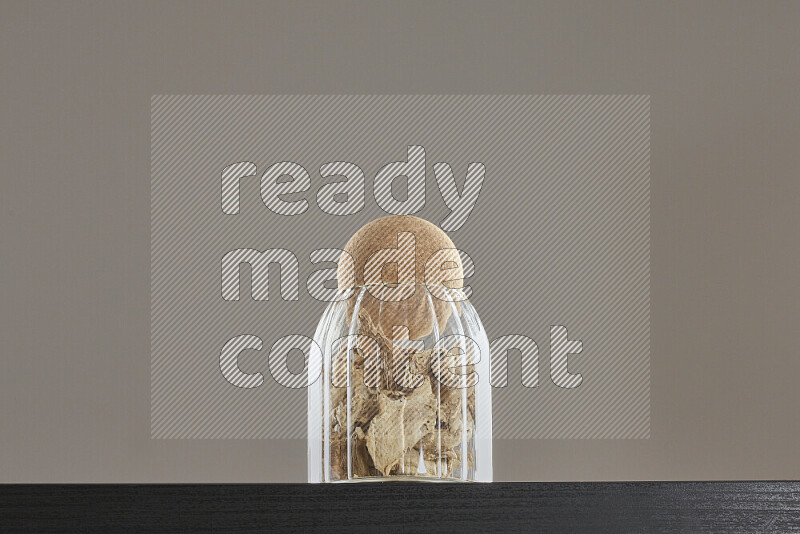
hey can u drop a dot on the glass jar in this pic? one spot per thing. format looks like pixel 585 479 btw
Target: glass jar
pixel 404 391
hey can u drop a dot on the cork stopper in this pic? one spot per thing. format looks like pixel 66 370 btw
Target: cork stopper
pixel 397 258
pixel 391 232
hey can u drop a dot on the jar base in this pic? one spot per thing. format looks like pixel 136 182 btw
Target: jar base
pixel 400 478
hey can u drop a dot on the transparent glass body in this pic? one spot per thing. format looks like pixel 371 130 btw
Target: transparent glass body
pixel 403 392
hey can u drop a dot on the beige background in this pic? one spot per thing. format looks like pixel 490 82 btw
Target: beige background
pixel 76 84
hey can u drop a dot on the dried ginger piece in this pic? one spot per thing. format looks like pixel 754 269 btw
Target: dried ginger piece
pixel 364 403
pixel 450 422
pixel 399 425
pixel 361 462
pixel 399 367
pixel 364 406
pixel 338 460
pixel 411 465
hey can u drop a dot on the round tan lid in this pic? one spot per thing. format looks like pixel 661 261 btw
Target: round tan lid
pixel 400 236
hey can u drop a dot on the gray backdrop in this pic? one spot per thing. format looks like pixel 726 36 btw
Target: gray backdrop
pixel 560 235
pixel 76 88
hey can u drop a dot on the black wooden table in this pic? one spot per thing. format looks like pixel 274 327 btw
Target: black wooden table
pixel 391 507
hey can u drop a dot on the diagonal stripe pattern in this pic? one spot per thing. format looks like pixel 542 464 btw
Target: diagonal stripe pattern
pixel 559 236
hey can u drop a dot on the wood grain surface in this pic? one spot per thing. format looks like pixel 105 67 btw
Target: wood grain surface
pixel 409 507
